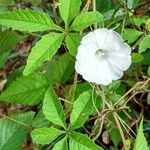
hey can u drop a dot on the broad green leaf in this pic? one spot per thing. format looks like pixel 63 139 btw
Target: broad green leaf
pixel 146 59
pixel 13 130
pixel 40 121
pixel 27 20
pixel 25 90
pixel 148 24
pixel 43 51
pixel 68 10
pixel 72 43
pixel 45 135
pixel 85 19
pixel 131 35
pixel 81 141
pixel 61 145
pixel 52 108
pixel 8 39
pixel 144 44
pixel 140 142
pixel 132 3
pixel 137 57
pixel 82 108
pixel 60 69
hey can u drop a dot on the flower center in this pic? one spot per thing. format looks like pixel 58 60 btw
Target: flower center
pixel 100 53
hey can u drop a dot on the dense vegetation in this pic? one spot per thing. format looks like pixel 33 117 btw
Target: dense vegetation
pixel 44 103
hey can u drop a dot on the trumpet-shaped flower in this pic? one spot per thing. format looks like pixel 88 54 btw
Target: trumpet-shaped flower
pixel 102 56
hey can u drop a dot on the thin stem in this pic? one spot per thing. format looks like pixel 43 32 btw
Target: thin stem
pixel 94 9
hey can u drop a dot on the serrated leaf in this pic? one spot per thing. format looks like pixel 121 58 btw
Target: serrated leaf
pixel 52 108
pixel 81 141
pixel 45 135
pixel 82 107
pixel 86 19
pixel 140 142
pixel 131 35
pixel 27 20
pixel 25 90
pixel 144 44
pixel 13 130
pixel 72 42
pixel 43 51
pixel 61 145
pixel 60 69
pixel 68 10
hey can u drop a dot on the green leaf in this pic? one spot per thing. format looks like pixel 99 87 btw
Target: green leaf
pixel 81 141
pixel 146 59
pixel 13 130
pixel 137 57
pixel 144 44
pixel 72 42
pixel 82 108
pixel 25 90
pixel 52 108
pixel 43 51
pixel 131 35
pixel 114 85
pixel 61 145
pixel 45 135
pixel 60 69
pixel 68 10
pixel 27 20
pixel 140 142
pixel 3 58
pixel 8 39
pixel 85 19
pixel 132 3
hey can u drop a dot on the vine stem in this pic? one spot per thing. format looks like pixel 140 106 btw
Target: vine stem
pixel 94 9
pixel 115 117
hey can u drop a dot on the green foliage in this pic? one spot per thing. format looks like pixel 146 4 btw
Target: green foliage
pixel 144 44
pixel 45 135
pixel 52 108
pixel 71 8
pixel 61 145
pixel 80 141
pixel 43 51
pixel 137 58
pixel 131 35
pixel 82 108
pixel 8 39
pixel 14 130
pixel 132 3
pixel 26 90
pixel 140 142
pixel 85 19
pixel 72 43
pixel 27 20
pixel 60 69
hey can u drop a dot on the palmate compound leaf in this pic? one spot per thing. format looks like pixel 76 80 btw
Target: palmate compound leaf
pixel 45 135
pixel 43 51
pixel 52 108
pixel 82 108
pixel 86 19
pixel 68 9
pixel 27 20
pixel 79 141
pixel 140 142
pixel 26 90
pixel 13 130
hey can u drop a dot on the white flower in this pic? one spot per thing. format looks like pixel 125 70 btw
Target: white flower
pixel 102 56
